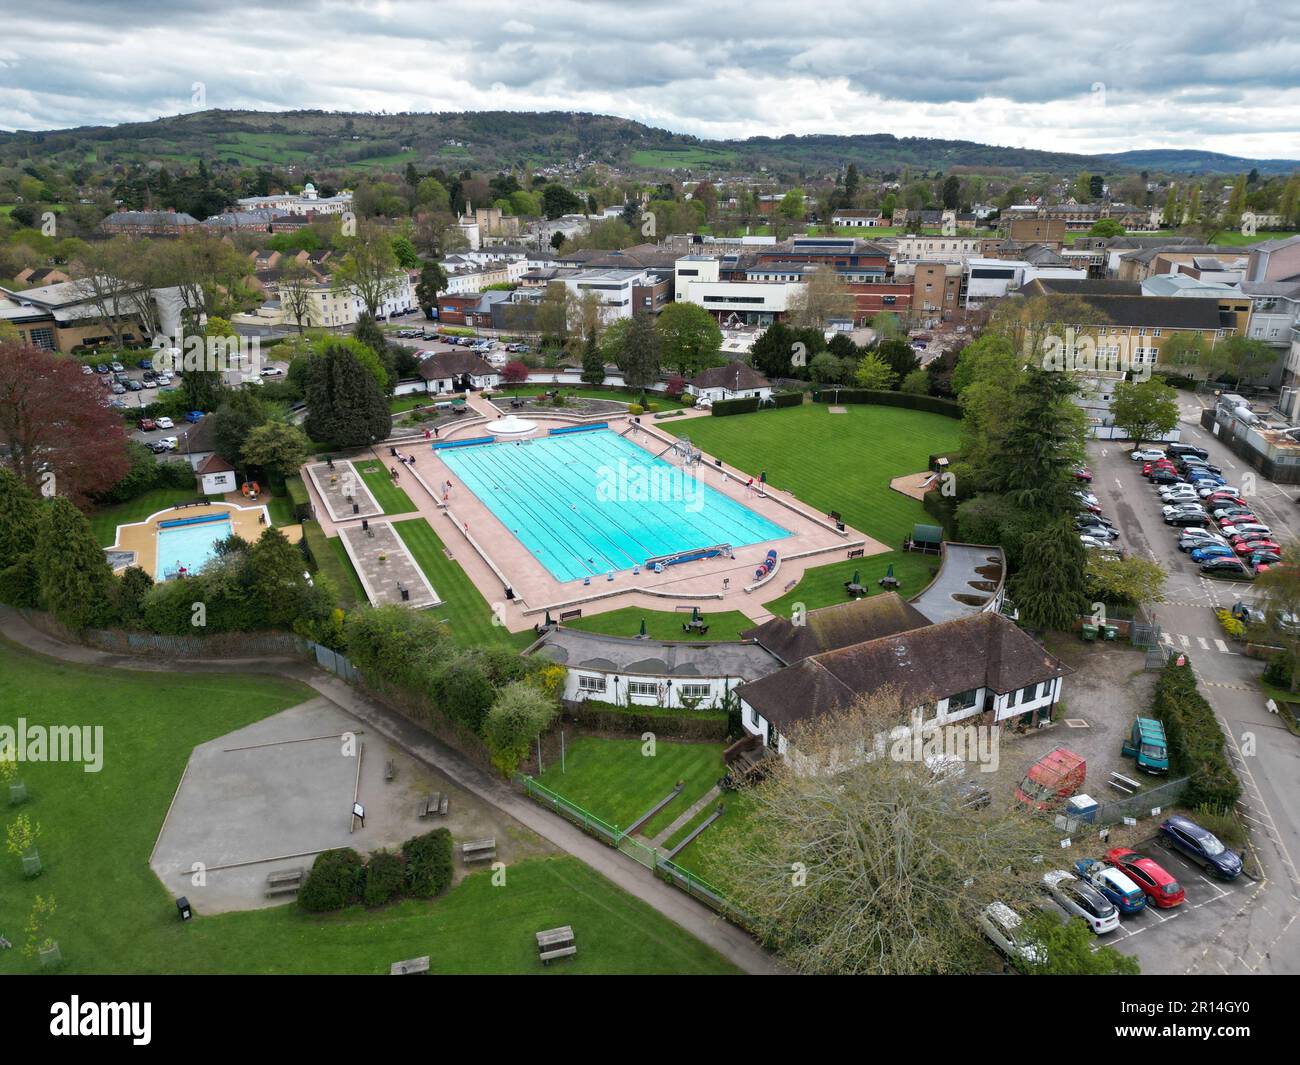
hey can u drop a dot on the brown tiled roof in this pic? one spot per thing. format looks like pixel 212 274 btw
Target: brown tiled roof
pixel 726 377
pixel 925 665
pixel 833 627
pixel 214 463
pixel 450 363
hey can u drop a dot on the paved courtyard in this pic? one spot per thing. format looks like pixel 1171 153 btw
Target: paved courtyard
pixel 342 490
pixel 270 797
pixel 385 566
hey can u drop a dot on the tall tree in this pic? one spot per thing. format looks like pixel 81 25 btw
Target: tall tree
pixel 593 364
pixel 368 268
pixel 56 434
pixel 1146 410
pixel 295 287
pixel 1048 589
pixel 689 337
pixel 433 280
pixel 641 352
pixel 75 579
pixel 875 373
pixel 823 298
pixel 1043 443
pixel 346 406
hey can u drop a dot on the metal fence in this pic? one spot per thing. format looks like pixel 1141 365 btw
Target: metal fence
pixel 335 663
pixel 639 852
pixel 1147 803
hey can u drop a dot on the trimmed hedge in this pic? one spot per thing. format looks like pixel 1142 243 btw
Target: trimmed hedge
pixel 335 881
pixel 682 724
pixel 385 878
pixel 787 399
pixel 725 407
pixel 947 407
pixel 428 867
pixel 1195 739
pixel 297 492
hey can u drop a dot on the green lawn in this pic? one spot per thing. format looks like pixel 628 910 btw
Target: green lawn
pixel 614 780
pixel 380 482
pixel 104 522
pixel 700 857
pixel 664 624
pixel 114 916
pixel 281 510
pixel 824 585
pixel 840 462
pixel 463 609
pixel 354 589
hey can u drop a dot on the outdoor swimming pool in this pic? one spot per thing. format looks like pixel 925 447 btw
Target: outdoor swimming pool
pixel 189 545
pixel 586 503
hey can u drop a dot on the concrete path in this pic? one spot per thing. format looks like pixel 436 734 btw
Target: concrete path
pixel 699 805
pixel 729 941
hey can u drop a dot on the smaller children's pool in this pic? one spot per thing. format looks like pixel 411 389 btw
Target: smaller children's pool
pixel 188 544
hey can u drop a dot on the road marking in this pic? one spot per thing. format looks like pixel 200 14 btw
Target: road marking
pixel 1223 647
pixel 1205 644
pixel 1186 642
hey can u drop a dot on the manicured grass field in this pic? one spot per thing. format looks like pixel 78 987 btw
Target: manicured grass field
pixel 840 462
pixel 104 522
pixel 664 624
pixel 464 609
pixel 114 916
pixel 824 585
pixel 355 592
pixel 281 510
pixel 700 857
pixel 387 495
pixel 616 781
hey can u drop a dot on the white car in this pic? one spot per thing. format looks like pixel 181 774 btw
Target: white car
pixel 1005 930
pixel 1179 492
pixel 1183 508
pixel 170 443
pixel 1251 529
pixel 1199 538
pixel 164 423
pixel 272 371
pixel 1147 455
pixel 1209 489
pixel 1093 542
pixel 1082 900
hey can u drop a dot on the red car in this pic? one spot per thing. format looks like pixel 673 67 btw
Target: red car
pixel 1082 473
pixel 147 425
pixel 1159 886
pixel 1148 468
pixel 1249 547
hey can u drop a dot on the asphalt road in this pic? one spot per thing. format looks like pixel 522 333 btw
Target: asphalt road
pixel 1259 932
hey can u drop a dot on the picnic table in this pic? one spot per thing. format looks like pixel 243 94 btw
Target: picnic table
pixel 555 943
pixel 432 805
pixel 286 882
pixel 478 850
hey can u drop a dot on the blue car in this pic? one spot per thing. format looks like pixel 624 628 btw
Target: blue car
pixel 1209 551
pixel 1202 846
pixel 1125 895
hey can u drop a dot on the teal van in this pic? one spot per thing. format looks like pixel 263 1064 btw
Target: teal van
pixel 1146 744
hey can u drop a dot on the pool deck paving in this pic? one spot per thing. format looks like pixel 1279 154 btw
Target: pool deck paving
pixel 494 559
pixel 385 566
pixel 342 491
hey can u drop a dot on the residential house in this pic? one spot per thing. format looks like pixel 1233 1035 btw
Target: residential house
pixel 458 371
pixel 733 381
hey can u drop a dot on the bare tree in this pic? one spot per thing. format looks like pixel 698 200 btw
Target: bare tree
pixel 98 272
pixel 295 288
pixel 859 857
pixel 368 268
pixel 823 297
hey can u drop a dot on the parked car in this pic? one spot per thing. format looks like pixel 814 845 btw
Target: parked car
pixel 194 416
pixel 1052 779
pixel 116 367
pixel 147 425
pixel 1247 614
pixel 1232 510
pixel 1186 518
pixel 1081 473
pixel 1228 569
pixel 1161 476
pixel 1160 888
pixel 1118 888
pixel 86 368
pixel 135 386
pixel 1185 507
pixel 1005 930
pixel 1082 900
pixel 1244 530
pixel 1099 532
pixel 101 367
pixel 170 443
pixel 1249 547
pixel 1201 846
pixel 1188 449
pixel 1148 454
pixel 1147 746
pixel 272 371
pixel 1217 490
pixel 119 388
pixel 164 423
pixel 1095 543
pixel 1196 537
pixel 146 363
pixel 1209 551
pixel 1263 561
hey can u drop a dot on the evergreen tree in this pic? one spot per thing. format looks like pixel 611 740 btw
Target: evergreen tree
pixel 20 522
pixel 345 404
pixel 593 364
pixel 75 579
pixel 1048 589
pixel 1042 444
pixel 641 352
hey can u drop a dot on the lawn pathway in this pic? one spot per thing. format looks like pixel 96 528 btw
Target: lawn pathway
pixel 728 940
pixel 700 804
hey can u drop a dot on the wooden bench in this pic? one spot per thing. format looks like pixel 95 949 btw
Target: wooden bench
pixel 409 967
pixel 430 804
pixel 478 850
pixel 549 956
pixel 390 770
pixel 1127 785
pixel 555 943
pixel 285 882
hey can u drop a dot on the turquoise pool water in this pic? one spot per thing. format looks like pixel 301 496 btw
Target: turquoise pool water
pixel 587 503
pixel 189 546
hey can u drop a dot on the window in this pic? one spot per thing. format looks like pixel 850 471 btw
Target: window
pixel 694 691
pixel 962 700
pixel 43 338
pixel 642 687
pixel 591 684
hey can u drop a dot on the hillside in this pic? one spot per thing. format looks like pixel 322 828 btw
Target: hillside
pixel 320 140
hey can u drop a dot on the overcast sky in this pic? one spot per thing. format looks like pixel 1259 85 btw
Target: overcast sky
pixel 1099 76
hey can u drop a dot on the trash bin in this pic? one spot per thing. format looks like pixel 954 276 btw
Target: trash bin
pixel 1109 632
pixel 1082 808
pixel 1088 632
